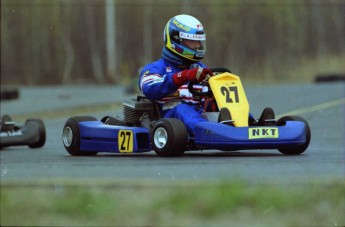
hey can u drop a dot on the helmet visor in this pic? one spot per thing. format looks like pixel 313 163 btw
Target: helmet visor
pixel 193 41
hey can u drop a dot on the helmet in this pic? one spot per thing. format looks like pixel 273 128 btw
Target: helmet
pixel 184 36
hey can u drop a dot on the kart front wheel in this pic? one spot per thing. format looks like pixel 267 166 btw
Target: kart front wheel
pixel 71 136
pixel 41 133
pixel 300 148
pixel 169 137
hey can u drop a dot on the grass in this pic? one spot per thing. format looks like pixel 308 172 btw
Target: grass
pixel 162 203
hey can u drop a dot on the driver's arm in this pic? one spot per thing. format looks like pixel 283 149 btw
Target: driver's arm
pixel 198 74
pixel 155 86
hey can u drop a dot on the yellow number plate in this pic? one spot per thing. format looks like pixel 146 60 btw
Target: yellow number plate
pixel 228 91
pixel 263 133
pixel 125 141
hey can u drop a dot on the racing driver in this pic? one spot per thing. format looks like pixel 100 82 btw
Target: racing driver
pixel 166 80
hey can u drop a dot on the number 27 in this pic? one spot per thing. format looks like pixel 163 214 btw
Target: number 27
pixel 227 93
pixel 125 141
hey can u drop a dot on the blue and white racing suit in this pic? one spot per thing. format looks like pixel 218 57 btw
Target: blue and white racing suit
pixel 157 84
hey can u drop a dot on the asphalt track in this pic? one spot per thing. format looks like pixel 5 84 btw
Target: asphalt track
pixel 323 105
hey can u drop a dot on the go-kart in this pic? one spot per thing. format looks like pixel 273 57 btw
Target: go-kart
pixel 32 133
pixel 141 129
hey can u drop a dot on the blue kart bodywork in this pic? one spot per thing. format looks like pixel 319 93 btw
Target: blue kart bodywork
pixel 210 135
pixel 97 136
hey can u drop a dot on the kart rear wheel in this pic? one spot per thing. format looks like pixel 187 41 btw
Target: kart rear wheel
pixel 169 137
pixel 41 133
pixel 7 124
pixel 300 148
pixel 71 136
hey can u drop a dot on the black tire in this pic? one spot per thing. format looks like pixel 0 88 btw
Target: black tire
pixel 9 93
pixel 71 136
pixel 4 127
pixel 41 134
pixel 300 148
pixel 169 137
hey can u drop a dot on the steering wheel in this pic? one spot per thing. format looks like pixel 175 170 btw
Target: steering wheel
pixel 209 92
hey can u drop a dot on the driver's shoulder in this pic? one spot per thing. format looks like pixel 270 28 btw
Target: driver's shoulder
pixel 156 67
pixel 201 64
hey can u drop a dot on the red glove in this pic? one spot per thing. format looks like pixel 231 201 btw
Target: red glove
pixel 198 74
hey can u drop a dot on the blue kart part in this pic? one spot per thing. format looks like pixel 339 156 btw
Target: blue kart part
pixel 87 136
pixel 210 135
pixel 84 135
pixel 97 136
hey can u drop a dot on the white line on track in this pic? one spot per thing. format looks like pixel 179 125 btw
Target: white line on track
pixel 314 108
